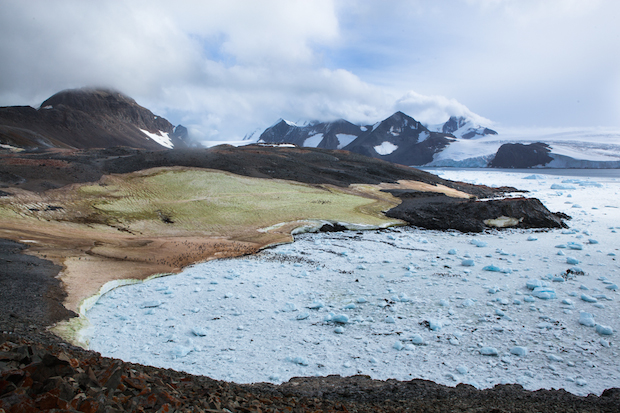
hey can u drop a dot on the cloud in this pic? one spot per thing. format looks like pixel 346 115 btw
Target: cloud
pixel 435 109
pixel 227 67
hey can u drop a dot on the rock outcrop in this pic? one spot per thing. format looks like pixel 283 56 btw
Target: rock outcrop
pixel 518 155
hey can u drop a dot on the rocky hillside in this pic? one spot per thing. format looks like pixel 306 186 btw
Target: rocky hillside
pixel 87 118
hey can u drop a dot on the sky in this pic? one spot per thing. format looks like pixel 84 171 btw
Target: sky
pixel 227 68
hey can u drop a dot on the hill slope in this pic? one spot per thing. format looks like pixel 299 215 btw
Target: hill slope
pixel 87 118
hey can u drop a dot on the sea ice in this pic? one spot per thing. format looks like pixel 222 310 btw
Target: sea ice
pixel 586 319
pixel 489 351
pixel 604 330
pixel 519 351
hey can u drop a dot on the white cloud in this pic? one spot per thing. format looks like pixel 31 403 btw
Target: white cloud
pixel 435 109
pixel 227 67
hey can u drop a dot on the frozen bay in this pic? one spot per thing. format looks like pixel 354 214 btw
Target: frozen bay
pixel 538 308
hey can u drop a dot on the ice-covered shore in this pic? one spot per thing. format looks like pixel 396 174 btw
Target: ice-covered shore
pixel 539 308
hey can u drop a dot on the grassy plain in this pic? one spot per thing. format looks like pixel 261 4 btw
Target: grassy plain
pixel 133 226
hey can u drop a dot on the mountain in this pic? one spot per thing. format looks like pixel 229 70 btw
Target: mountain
pixel 88 118
pixel 326 135
pixel 400 139
pixel 458 142
pixel 464 128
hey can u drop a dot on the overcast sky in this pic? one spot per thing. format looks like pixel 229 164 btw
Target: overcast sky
pixel 225 68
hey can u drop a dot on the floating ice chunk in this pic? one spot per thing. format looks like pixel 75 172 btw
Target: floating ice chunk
pixel 567 301
pixel 534 283
pixel 493 268
pixel 575 246
pixel 339 330
pixel 467 303
pixel 454 341
pixel 604 343
pixel 180 351
pixel 563 187
pixel 361 300
pixel 435 325
pixel 417 339
pixel 302 361
pixel 489 351
pixel 588 299
pixel 592 241
pixel 572 261
pixel 478 243
pixel 452 251
pixel 398 345
pixel 544 293
pixel 302 316
pixel 604 330
pixel 532 238
pixel 519 351
pixel 289 307
pixel 462 369
pixel 316 305
pixel 612 287
pixel 581 382
pixel 350 306
pixel 390 320
pixel 468 263
pixel 340 318
pixel 500 312
pixel 557 279
pixel 561 246
pixel 586 319
pixel 199 331
pixel 444 303
pixel 151 304
pixel 553 357
pixel 561 253
pixel 544 324
pixel 533 177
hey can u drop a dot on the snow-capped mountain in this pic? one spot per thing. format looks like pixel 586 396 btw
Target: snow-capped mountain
pixel 400 139
pixel 458 142
pixel 88 118
pixel 463 128
pixel 327 135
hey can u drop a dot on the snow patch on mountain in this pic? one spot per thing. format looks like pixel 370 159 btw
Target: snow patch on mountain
pixel 161 138
pixel 313 141
pixel 344 139
pixel 385 148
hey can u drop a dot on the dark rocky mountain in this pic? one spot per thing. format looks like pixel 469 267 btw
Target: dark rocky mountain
pixel 518 155
pixel 462 127
pixel 326 135
pixel 88 118
pixel 400 139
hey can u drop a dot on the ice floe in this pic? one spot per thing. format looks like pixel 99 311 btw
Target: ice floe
pixel 397 303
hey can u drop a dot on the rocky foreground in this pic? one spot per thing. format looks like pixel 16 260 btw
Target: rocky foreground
pixel 41 372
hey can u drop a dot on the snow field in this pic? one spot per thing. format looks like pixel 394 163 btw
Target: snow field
pixel 538 308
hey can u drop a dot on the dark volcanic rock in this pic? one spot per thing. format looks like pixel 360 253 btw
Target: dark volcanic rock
pixel 438 211
pixel 84 118
pixel 518 155
pixel 30 293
